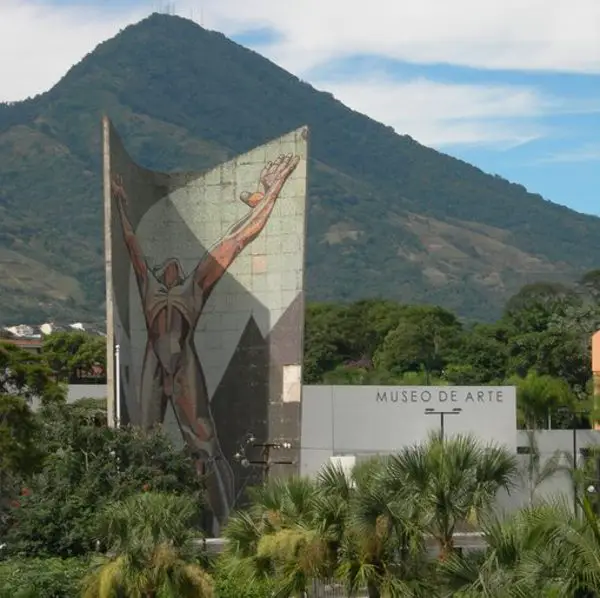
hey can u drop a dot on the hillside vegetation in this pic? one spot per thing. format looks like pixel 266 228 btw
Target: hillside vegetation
pixel 388 217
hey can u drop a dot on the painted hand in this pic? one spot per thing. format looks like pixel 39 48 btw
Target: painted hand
pixel 276 173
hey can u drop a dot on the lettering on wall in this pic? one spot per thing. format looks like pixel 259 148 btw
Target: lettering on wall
pixel 440 395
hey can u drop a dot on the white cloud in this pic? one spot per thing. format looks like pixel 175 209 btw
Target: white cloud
pixel 555 35
pixel 449 114
pixel 40 42
pixel 586 153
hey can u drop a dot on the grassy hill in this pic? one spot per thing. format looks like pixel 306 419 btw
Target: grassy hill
pixel 388 216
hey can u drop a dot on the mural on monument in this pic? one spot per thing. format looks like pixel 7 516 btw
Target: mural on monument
pixel 171 301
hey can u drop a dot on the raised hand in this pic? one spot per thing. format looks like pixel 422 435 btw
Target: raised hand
pixel 277 172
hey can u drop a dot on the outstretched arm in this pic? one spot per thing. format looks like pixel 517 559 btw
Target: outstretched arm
pixel 133 247
pixel 215 263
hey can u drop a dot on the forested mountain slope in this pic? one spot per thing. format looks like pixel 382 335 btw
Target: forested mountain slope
pixel 388 216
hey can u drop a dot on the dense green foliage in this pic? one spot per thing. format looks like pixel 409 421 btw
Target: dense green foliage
pixel 76 356
pixel 42 578
pixel 23 375
pixel 388 217
pixel 62 468
pixel 235 583
pixel 88 465
pixel 368 529
pixel 153 550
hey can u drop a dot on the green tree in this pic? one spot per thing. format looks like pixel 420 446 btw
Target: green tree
pixel 151 537
pixel 576 546
pixel 535 305
pixel 19 437
pixel 480 356
pixel 456 481
pixel 321 340
pixel 278 537
pixel 382 547
pixel 88 465
pixel 539 551
pixel 20 454
pixel 552 325
pixel 25 373
pixel 539 397
pixel 358 529
pixel 344 335
pixel 353 374
pixel 366 323
pixel 555 353
pixel 422 340
pixel 23 377
pixel 73 355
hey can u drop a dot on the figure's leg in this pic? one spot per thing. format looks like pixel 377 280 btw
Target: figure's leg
pixel 153 399
pixel 193 411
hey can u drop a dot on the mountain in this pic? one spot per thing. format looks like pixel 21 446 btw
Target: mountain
pixel 388 216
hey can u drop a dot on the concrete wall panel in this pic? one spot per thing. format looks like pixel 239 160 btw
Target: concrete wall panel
pixel 367 420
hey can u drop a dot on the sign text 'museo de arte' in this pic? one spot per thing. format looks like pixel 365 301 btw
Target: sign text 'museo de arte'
pixel 436 394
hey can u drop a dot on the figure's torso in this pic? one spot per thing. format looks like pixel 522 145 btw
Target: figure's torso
pixel 171 316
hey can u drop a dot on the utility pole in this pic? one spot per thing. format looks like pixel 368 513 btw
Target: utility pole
pixel 442 414
pixel 117 386
pixel 575 415
pixel 265 462
pixel 574 430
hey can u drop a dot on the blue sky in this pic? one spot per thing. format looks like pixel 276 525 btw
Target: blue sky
pixel 511 87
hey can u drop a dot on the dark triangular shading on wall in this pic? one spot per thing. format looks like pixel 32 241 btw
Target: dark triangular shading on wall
pixel 241 401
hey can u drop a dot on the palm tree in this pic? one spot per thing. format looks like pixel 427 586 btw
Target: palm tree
pixel 538 396
pixel 301 532
pixel 456 481
pixel 278 537
pixel 536 471
pixel 576 544
pixel 367 529
pixel 378 531
pixel 518 562
pixel 150 538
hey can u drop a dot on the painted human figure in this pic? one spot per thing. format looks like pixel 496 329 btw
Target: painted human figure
pixel 172 303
